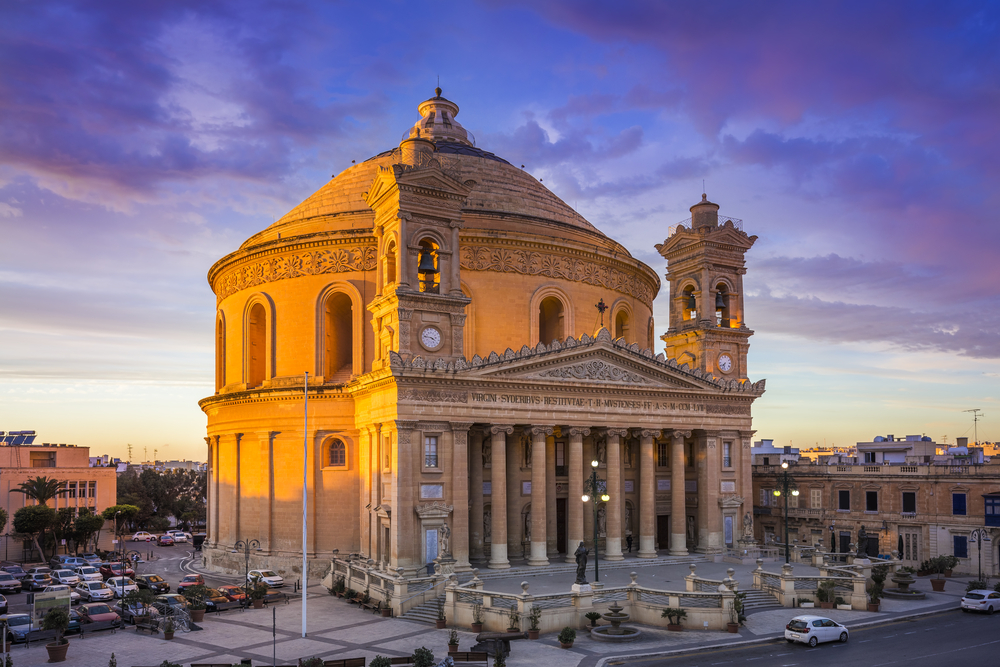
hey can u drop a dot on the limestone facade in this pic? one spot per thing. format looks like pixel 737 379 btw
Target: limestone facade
pixel 460 379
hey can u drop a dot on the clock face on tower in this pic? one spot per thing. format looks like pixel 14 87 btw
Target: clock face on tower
pixel 430 338
pixel 725 363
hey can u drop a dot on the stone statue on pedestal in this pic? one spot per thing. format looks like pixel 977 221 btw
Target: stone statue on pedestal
pixel 581 564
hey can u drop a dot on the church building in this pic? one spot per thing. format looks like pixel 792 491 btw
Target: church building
pixel 475 349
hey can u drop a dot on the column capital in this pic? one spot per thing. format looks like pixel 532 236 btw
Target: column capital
pixel 461 426
pixel 648 433
pixel 680 435
pixel 541 430
pixel 576 430
pixel 404 424
pixel 208 440
pixel 502 428
pixel 616 432
pixel 261 435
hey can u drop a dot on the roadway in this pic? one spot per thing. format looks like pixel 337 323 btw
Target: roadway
pixel 940 640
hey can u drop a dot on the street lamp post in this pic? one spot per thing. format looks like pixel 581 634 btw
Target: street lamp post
pixel 979 535
pixel 245 546
pixel 132 556
pixel 785 483
pixel 604 497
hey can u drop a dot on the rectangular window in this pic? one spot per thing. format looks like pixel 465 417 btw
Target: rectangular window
pixel 869 457
pixel 871 501
pixel 93 489
pixel 793 500
pixel 816 499
pixel 961 546
pixel 765 497
pixel 958 504
pixel 992 510
pixel 727 450
pixel 662 459
pixel 689 454
pixel 844 498
pixel 909 502
pixel 430 451
pixel 72 490
pixel 561 459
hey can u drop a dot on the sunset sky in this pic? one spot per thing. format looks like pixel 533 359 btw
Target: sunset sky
pixel 141 141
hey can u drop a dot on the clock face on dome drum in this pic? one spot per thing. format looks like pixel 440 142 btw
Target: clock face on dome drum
pixel 430 338
pixel 725 363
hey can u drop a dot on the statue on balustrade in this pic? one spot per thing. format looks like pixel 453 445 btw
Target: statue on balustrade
pixel 581 564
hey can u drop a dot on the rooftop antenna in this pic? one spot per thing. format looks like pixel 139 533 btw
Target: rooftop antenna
pixel 130 452
pixel 976 414
pixel 703 185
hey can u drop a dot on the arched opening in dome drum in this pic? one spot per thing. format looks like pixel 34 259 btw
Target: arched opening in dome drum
pixel 428 267
pixel 389 265
pixel 721 305
pixel 622 326
pixel 256 346
pixel 550 320
pixel 338 342
pixel 220 352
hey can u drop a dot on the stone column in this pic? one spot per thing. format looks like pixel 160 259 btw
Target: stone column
pixel 574 509
pixel 514 528
pixel 498 501
pixel 460 495
pixel 647 494
pixel 709 512
pixel 538 550
pixel 404 547
pixel 551 525
pixel 745 485
pixel 364 472
pixel 613 542
pixel 678 509
pixel 475 494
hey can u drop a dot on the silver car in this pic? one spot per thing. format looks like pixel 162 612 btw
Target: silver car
pixel 95 590
pixel 814 629
pixel 89 573
pixel 981 600
pixel 67 577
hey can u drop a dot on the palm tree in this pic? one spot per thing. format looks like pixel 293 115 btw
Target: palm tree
pixel 41 489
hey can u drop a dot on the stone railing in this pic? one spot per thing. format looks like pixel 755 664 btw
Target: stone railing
pixel 382 583
pixel 644 605
pixel 790 589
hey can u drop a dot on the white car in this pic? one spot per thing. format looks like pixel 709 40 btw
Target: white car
pixel 981 600
pixel 267 576
pixel 89 573
pixel 68 577
pixel 143 535
pixel 121 586
pixel 92 591
pixel 814 629
pixel 74 597
pixel 178 535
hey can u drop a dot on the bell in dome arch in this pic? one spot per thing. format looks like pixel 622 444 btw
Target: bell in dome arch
pixel 427 269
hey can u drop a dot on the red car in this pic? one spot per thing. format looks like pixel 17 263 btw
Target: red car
pixel 190 580
pixel 233 593
pixel 109 570
pixel 165 541
pixel 95 612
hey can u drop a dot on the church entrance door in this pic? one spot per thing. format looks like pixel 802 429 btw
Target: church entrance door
pixel 561 525
pixel 662 531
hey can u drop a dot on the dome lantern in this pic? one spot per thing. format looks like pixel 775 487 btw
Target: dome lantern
pixel 437 122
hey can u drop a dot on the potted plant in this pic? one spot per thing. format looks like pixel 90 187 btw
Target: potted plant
pixel 874 595
pixel 841 603
pixel 825 594
pixel 938 566
pixel 311 662
pixel 349 594
pixel 513 620
pixel 674 618
pixel 951 562
pixel 386 609
pixel 566 637
pixel 257 594
pixel 534 616
pixel 339 587
pixel 477 618
pixel 423 657
pixel 169 629
pixel 593 617
pixel 736 616
pixel 806 603
pixel 57 619
pixel 442 620
pixel 195 596
pixel 453 641
pixel 380 661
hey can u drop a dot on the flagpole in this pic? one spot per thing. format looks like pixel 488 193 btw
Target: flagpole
pixel 305 503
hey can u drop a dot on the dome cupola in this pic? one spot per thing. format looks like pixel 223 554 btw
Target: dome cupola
pixel 437 122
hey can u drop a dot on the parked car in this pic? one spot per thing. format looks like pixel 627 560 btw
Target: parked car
pixel 179 536
pixel 190 580
pixel 65 562
pixel 9 583
pixel 121 586
pixel 37 582
pixel 233 593
pixel 89 573
pixel 128 612
pixel 74 622
pixel 18 626
pixel 15 571
pixel 56 562
pixel 68 577
pixel 981 599
pixel 143 536
pixel 3 605
pixel 153 582
pixel 214 597
pixel 814 629
pixel 109 570
pixel 95 590
pixel 96 612
pixel 91 558
pixel 163 603
pixel 74 597
pixel 165 541
pixel 40 570
pixel 266 576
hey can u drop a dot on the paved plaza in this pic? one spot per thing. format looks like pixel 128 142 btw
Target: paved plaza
pixel 337 629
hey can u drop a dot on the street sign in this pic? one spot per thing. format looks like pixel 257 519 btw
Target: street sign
pixel 44 602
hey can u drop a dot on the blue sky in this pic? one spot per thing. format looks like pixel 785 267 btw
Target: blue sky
pixel 139 142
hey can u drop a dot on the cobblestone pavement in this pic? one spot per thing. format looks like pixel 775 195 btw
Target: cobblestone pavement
pixel 337 629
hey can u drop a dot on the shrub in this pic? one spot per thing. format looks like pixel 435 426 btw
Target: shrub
pixel 441 616
pixel 113 662
pixel 311 662
pixel 195 595
pixel 167 663
pixel 875 591
pixel 514 618
pixel 593 617
pixel 567 635
pixel 674 616
pixel 840 600
pixel 380 661
pixel 423 657
pixel 477 613
pixel 738 607
pixel 453 638
pixel 997 587
pixel 825 591
pixel 534 616
pixel 499 660
pixel 57 619
pixel 977 584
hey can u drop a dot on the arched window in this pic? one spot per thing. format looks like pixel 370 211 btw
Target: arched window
pixel 721 305
pixel 389 265
pixel 690 304
pixel 622 326
pixel 338 342
pixel 256 346
pixel 220 352
pixel 550 320
pixel 336 453
pixel 429 267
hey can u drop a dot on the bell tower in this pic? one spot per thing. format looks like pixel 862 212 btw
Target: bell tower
pixel 419 308
pixel 705 268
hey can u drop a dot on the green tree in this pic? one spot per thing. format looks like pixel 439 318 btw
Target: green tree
pixel 63 528
pixel 41 489
pixel 88 527
pixel 3 518
pixel 34 520
pixel 126 515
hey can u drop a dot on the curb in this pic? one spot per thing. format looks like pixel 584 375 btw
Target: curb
pixel 606 660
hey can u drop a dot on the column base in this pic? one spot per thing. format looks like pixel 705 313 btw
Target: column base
pixel 498 557
pixel 498 565
pixel 678 545
pixel 538 556
pixel 647 547
pixel 613 549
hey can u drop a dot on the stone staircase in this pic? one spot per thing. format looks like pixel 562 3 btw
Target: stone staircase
pixel 426 612
pixel 758 601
